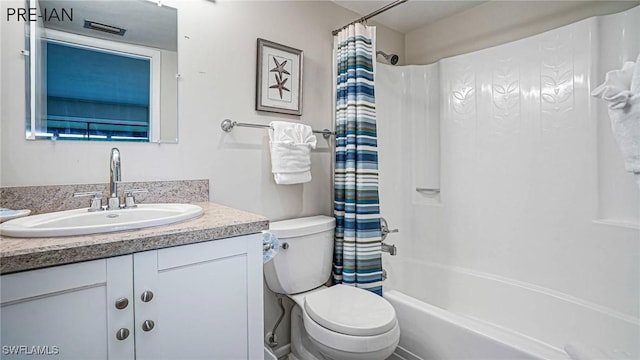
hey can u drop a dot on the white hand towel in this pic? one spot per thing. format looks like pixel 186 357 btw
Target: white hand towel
pixel 621 89
pixel 291 146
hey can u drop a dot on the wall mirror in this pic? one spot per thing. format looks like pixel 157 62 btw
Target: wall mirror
pixel 102 71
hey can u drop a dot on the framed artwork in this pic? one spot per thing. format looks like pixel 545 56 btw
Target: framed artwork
pixel 279 78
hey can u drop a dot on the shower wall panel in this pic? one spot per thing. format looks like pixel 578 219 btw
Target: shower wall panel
pixel 532 187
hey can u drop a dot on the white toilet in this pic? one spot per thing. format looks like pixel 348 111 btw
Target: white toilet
pixel 338 322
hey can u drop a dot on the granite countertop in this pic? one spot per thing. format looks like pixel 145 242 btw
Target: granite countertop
pixel 217 222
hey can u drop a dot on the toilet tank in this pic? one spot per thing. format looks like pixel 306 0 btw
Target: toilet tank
pixel 304 263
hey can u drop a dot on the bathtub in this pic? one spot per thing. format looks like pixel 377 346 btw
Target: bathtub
pixel 463 314
pixel 434 333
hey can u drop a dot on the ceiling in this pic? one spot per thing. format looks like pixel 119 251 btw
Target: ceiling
pixel 145 22
pixel 411 15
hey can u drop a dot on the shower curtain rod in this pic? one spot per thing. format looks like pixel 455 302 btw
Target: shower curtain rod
pixel 228 124
pixel 369 16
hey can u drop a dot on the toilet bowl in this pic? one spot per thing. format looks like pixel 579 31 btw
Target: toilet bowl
pixel 345 322
pixel 339 322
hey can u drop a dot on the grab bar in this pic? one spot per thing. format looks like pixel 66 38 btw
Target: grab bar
pixel 431 191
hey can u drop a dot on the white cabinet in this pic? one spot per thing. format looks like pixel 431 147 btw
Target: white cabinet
pixel 198 301
pixel 61 312
pixel 207 301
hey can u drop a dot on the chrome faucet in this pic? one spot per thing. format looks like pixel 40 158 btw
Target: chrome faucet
pixel 113 201
pixel 115 177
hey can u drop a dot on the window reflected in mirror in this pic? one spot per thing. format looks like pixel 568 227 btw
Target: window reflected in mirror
pixel 96 95
pixel 98 84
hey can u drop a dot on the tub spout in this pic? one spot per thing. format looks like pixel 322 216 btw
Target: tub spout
pixel 390 248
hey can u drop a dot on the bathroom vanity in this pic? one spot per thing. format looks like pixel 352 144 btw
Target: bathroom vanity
pixel 182 291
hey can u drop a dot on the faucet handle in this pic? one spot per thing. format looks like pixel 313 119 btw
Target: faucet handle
pixel 384 227
pixel 96 201
pixel 129 200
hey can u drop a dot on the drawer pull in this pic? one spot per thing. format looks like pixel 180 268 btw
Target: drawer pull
pixel 122 303
pixel 122 334
pixel 147 296
pixel 148 325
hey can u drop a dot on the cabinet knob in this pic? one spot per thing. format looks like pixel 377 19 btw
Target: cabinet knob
pixel 147 296
pixel 122 334
pixel 148 325
pixel 122 303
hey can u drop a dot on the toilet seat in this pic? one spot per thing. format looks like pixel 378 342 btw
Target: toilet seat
pixel 350 311
pixel 350 343
pixel 332 306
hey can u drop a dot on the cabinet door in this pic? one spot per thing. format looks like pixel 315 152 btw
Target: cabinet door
pixel 206 304
pixel 65 312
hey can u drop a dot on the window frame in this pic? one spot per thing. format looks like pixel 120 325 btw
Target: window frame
pixel 116 48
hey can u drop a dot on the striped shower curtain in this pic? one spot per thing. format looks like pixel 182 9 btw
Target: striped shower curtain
pixel 357 256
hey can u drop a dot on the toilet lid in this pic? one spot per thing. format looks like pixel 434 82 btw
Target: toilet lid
pixel 351 311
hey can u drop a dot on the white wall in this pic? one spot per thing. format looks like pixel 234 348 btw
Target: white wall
pixel 533 188
pixel 497 22
pixel 217 56
pixel 168 94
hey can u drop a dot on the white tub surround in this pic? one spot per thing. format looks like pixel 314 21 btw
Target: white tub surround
pixel 536 227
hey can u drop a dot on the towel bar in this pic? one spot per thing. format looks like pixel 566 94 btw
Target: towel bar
pixel 227 125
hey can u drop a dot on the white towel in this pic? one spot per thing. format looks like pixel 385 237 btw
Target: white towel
pixel 621 89
pixel 291 146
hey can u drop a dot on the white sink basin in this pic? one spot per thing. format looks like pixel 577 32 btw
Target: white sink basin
pixel 83 222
